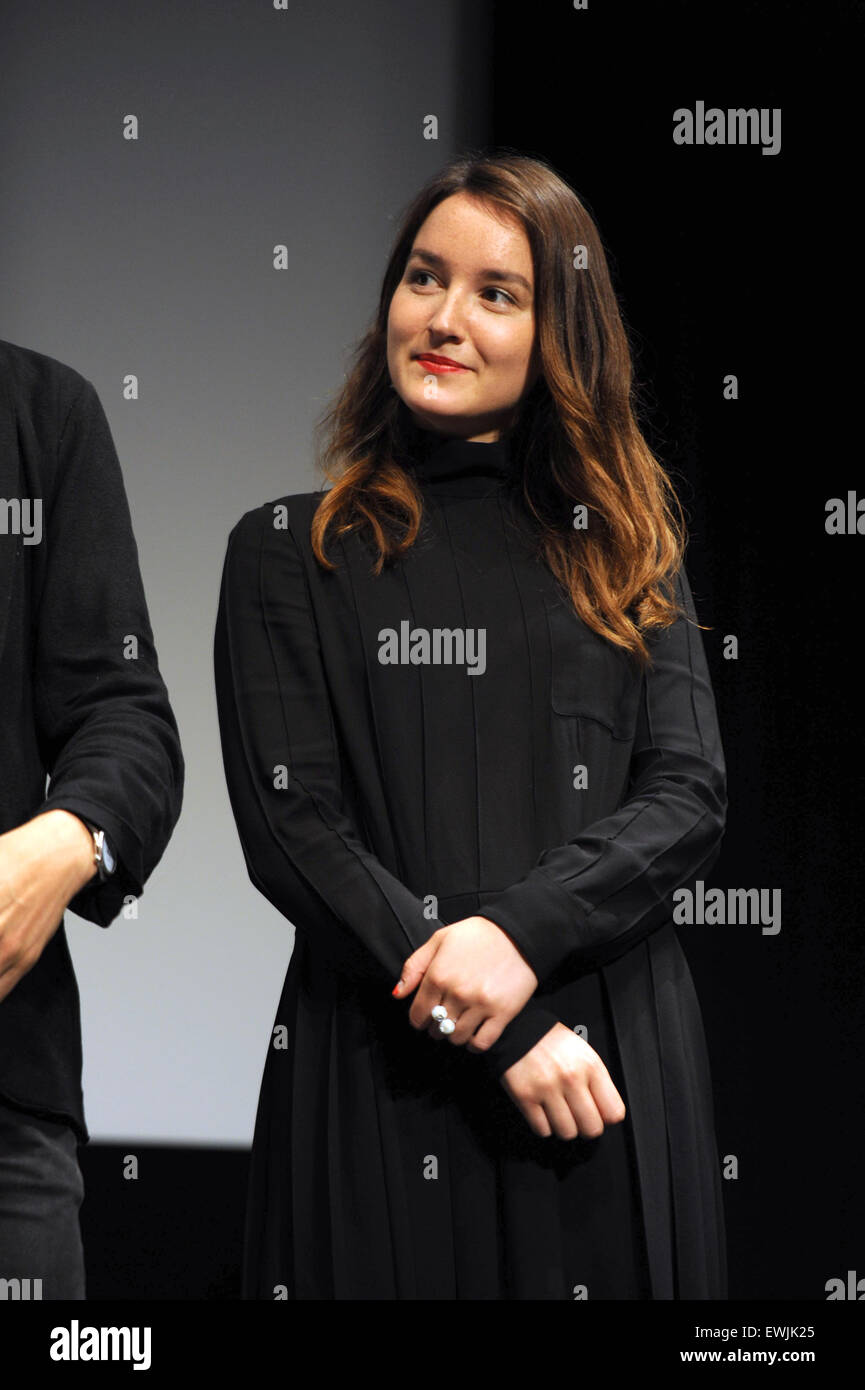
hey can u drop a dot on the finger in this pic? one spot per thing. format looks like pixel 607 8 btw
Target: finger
pixel 610 1105
pixel 453 1013
pixel 489 1032
pixel 428 995
pixel 466 1022
pixel 560 1117
pixel 581 1103
pixel 414 968
pixel 534 1116
pixel 431 1025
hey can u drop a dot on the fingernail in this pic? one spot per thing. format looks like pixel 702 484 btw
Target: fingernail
pixel 396 990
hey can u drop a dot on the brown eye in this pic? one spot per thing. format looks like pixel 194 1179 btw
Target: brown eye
pixel 493 289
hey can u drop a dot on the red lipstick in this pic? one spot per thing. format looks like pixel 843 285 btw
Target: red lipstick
pixel 432 362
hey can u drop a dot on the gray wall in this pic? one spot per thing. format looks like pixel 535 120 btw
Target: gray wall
pixel 256 126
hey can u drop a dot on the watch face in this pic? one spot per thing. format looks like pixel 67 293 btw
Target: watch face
pixel 108 856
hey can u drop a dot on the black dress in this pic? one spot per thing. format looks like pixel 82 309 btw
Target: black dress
pixel 376 801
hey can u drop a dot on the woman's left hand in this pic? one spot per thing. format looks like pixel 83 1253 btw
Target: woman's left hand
pixel 476 971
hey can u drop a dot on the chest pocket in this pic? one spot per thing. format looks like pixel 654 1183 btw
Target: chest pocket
pixel 589 677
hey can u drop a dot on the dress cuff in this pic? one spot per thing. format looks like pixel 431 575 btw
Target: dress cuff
pixel 518 1038
pixel 540 917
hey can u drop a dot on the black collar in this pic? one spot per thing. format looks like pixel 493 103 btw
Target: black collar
pixel 461 465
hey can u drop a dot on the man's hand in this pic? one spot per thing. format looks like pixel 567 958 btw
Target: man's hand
pixel 476 971
pixel 562 1087
pixel 43 864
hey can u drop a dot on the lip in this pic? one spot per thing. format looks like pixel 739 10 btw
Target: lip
pixel 434 363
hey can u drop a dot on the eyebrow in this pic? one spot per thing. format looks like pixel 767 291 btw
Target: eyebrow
pixel 488 274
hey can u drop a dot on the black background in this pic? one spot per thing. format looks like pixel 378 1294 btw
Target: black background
pixel 731 261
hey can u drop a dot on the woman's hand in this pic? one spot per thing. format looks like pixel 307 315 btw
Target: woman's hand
pixel 476 971
pixel 562 1087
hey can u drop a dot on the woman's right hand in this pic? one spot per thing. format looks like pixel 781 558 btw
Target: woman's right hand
pixel 562 1087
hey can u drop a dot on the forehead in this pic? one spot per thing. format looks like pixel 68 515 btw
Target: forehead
pixel 461 227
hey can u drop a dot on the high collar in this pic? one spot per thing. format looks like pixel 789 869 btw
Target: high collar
pixel 447 463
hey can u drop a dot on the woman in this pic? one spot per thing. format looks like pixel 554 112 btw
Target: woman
pixel 471 745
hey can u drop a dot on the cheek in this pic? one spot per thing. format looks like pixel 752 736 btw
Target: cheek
pixel 506 345
pixel 403 316
pixel 516 356
pixel 392 322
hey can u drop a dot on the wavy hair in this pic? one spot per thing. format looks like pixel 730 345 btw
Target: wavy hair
pixel 575 439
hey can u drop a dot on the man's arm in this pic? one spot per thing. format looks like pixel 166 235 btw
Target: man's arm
pixel 107 732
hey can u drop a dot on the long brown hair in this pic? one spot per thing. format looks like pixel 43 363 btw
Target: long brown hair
pixel 576 437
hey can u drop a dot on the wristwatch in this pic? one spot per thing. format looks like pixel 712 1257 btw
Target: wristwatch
pixel 103 855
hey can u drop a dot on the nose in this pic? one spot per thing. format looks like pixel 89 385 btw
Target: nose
pixel 447 319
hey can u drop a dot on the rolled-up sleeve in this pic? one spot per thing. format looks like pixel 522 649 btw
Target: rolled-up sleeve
pixel 108 736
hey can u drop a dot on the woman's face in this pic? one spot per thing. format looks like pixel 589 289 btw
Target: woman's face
pixel 467 295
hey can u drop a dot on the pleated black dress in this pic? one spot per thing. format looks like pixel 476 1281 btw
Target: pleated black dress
pixel 377 800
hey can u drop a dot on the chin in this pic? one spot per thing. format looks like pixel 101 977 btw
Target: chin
pixel 445 403
pixel 429 419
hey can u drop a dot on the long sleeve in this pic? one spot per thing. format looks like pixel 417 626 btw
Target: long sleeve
pixel 589 900
pixel 106 730
pixel 282 768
